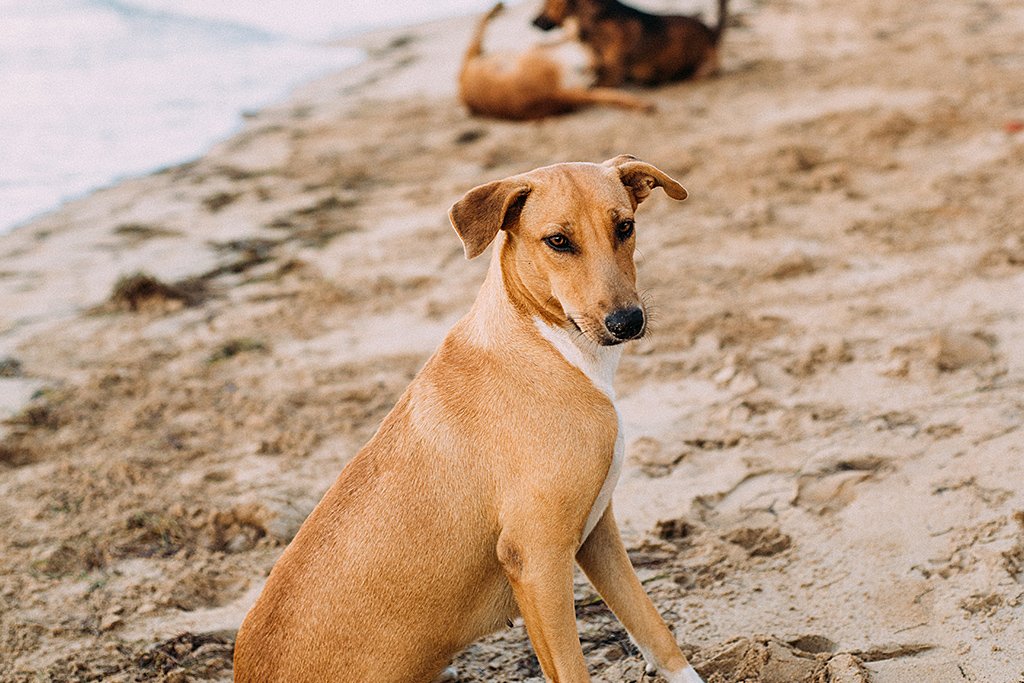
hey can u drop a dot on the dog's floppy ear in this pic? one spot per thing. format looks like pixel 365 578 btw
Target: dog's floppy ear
pixel 640 178
pixel 552 14
pixel 484 210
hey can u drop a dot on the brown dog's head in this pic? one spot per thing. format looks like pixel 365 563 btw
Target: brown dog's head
pixel 552 14
pixel 567 256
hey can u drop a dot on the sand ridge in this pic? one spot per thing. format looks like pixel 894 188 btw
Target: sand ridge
pixel 824 467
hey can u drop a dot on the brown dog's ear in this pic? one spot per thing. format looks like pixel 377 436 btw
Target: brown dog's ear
pixel 485 210
pixel 640 178
pixel 552 14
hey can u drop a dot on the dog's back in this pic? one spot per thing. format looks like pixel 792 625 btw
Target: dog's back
pixel 671 48
pixel 639 47
pixel 517 87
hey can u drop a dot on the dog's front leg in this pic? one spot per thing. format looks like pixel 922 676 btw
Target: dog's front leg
pixel 611 73
pixel 604 560
pixel 540 573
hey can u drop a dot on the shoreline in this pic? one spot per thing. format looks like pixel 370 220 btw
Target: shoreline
pixel 356 39
pixel 317 92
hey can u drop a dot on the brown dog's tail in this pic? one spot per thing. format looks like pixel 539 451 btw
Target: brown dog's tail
pixel 476 43
pixel 723 18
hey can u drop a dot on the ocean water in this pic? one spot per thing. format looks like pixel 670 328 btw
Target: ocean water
pixel 92 91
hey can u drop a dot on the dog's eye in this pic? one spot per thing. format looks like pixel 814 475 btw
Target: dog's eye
pixel 558 242
pixel 624 229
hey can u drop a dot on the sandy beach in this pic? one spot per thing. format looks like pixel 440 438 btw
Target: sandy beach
pixel 825 429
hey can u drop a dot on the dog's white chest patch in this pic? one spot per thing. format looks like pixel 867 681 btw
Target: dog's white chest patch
pixel 604 496
pixel 598 363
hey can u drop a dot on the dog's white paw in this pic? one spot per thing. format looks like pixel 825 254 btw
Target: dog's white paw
pixel 449 675
pixel 687 675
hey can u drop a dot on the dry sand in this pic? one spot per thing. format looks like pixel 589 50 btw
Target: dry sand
pixel 825 476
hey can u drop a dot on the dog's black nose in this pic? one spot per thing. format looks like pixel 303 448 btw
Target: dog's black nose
pixel 625 323
pixel 543 23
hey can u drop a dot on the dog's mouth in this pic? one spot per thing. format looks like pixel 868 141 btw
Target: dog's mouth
pixel 615 341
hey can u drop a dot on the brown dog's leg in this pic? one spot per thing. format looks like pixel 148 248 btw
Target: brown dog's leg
pixel 541 579
pixel 578 97
pixel 603 558
pixel 710 66
pixel 608 59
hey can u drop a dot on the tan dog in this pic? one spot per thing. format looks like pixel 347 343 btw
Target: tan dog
pixel 638 47
pixel 494 471
pixel 526 86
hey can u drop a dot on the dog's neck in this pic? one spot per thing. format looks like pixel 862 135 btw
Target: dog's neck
pixel 497 316
pixel 597 362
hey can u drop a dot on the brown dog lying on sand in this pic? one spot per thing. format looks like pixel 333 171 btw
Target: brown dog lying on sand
pixel 526 86
pixel 493 474
pixel 631 46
